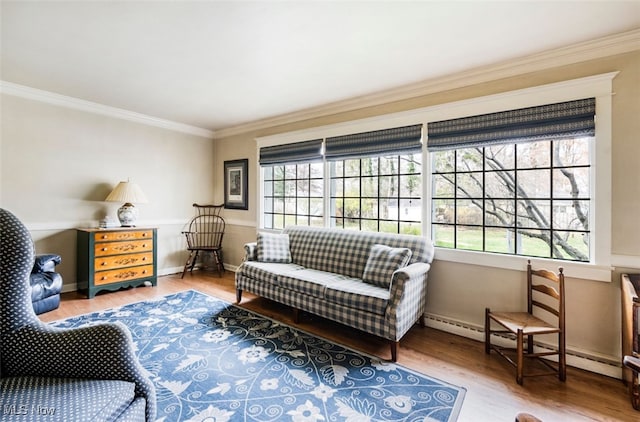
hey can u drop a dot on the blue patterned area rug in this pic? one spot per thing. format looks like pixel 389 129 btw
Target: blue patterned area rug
pixel 213 361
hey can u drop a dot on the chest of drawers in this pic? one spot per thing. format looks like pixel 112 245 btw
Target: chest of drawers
pixel 109 259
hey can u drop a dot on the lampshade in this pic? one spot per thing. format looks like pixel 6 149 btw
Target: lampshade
pixel 128 193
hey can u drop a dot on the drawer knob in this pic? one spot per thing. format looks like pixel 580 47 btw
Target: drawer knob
pixel 144 258
pixel 104 236
pixel 144 245
pixel 103 264
pixel 104 249
pixel 104 277
pixel 144 271
pixel 144 235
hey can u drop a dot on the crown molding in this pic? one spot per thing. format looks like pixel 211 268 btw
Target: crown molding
pixel 48 97
pixel 602 47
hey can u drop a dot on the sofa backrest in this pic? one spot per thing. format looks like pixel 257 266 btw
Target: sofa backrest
pixel 346 251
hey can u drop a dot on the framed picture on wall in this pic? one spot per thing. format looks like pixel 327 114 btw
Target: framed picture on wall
pixel 236 184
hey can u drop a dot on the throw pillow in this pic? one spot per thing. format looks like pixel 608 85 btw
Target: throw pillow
pixel 382 262
pixel 273 247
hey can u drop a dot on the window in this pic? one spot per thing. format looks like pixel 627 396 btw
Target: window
pixel 374 179
pixel 293 195
pixel 380 194
pixel 515 182
pixel 524 199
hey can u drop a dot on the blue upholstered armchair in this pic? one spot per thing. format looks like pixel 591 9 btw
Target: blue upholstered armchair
pixel 87 373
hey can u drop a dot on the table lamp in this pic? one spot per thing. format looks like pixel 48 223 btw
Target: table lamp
pixel 127 192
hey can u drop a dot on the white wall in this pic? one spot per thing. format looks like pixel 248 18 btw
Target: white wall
pixel 57 164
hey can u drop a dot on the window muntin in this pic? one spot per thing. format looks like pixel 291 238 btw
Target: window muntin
pixel 293 195
pixel 381 194
pixel 528 199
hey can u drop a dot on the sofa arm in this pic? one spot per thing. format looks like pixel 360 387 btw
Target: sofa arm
pixel 46 263
pixel 251 251
pixel 101 351
pixel 407 296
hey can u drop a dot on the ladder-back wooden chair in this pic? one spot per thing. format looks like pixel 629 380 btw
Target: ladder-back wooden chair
pixel 545 295
pixel 204 234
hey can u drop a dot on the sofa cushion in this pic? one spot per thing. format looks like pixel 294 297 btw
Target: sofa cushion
pixel 266 271
pixel 354 293
pixel 382 262
pixel 273 247
pixel 308 281
pixel 64 399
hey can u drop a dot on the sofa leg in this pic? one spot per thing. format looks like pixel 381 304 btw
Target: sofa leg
pixel 238 295
pixel 394 350
pixel 296 315
pixel 421 320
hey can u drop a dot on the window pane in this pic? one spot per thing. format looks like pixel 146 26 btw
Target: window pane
pixel 290 188
pixel 352 187
pixel 316 170
pixel 534 214
pixel 290 171
pixel 278 205
pixel 316 188
pixel 411 228
pixel 369 166
pixel 534 242
pixel 268 204
pixel 500 240
pixel 316 206
pixel 571 245
pixel 533 155
pixel 500 157
pixel 388 186
pixel 444 211
pixel 571 183
pixel 267 172
pixel 302 171
pixel 469 238
pixel 303 187
pixel 411 164
pixel 388 165
pixel 352 207
pixel 369 187
pixel 534 183
pixel 268 221
pixel 468 212
pixel 499 213
pixel 289 206
pixel 278 172
pixel 278 221
pixel 500 184
pixel 572 215
pixel 337 187
pixel 410 210
pixel 352 167
pixel 443 235
pixel 289 220
pixel 370 225
pixel 317 222
pixel 442 161
pixel 278 188
pixel 469 159
pixel 302 220
pixel 469 185
pixel 268 188
pixel 571 152
pixel 411 186
pixel 352 223
pixel 302 206
pixel 443 185
pixel 370 208
pixel 388 227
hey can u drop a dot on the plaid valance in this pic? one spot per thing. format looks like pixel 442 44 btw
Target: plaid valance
pixel 400 140
pixel 567 119
pixel 298 152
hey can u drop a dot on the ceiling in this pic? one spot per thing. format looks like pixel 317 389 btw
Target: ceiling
pixel 221 64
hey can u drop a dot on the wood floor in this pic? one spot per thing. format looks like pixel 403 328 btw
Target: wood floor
pixel 492 392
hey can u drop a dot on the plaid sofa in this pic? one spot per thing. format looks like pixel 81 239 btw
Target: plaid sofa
pixel 325 274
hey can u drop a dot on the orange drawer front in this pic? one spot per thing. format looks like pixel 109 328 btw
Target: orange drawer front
pixel 122 261
pixel 123 274
pixel 123 235
pixel 115 248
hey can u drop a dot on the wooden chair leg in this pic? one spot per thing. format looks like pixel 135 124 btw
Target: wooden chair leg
pixel 186 264
pixel 394 350
pixel 195 259
pixel 562 358
pixel 487 331
pixel 520 357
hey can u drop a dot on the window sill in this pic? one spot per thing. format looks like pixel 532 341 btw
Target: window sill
pixel 580 270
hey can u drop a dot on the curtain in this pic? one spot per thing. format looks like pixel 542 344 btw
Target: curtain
pixel 401 140
pixel 561 120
